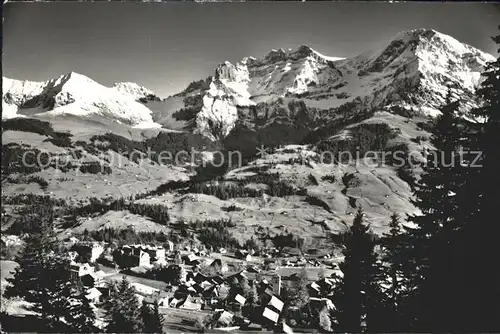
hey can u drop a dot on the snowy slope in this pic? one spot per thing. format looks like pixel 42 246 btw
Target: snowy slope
pixel 16 92
pixel 132 89
pixel 416 67
pixel 413 70
pixel 73 94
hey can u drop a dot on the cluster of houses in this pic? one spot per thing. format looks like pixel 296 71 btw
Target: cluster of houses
pixel 141 255
pixel 212 290
pixel 83 257
pixel 85 251
pixel 197 291
pixel 208 290
pixel 91 279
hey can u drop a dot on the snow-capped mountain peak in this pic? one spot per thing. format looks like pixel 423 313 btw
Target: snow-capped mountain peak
pixel 133 89
pixel 418 41
pixel 16 91
pixel 413 69
pixel 74 94
pixel 302 52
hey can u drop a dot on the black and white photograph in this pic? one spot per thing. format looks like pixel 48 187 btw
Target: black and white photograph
pixel 250 167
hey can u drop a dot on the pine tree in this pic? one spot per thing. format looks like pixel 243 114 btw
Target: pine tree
pixel 157 319
pixel 152 319
pixel 358 296
pixel 122 309
pixel 325 321
pixel 244 286
pixel 299 292
pixel 146 314
pixel 434 254
pixel 42 277
pixel 60 288
pixel 394 259
pixel 252 301
pixel 482 299
pixel 178 259
pixel 253 296
pixel 82 315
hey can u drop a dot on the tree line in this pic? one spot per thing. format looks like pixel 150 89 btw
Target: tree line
pixel 440 273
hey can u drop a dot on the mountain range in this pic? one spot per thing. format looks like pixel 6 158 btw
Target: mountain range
pixel 413 70
pixel 294 100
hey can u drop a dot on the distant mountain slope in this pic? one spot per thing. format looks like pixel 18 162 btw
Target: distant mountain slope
pixel 414 70
pixel 299 104
pixel 75 94
pixel 132 89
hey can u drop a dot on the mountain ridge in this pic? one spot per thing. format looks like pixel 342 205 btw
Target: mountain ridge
pixel 297 103
pixel 78 95
pixel 413 70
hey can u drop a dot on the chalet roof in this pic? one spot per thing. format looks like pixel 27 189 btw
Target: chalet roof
pixel 326 280
pixel 285 329
pixel 218 279
pixel 321 302
pixel 93 293
pixel 198 288
pixel 291 251
pixel 271 315
pixel 200 278
pixel 190 304
pixel 290 273
pixel 175 302
pixel 74 267
pixel 240 299
pixel 224 317
pixel 211 290
pixel 315 286
pixel 99 273
pixel 77 266
pixel 276 303
pixel 139 287
pixel 253 269
pixel 205 284
pixel 239 275
pixel 216 262
pixel 191 257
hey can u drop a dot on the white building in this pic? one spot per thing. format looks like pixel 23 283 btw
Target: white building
pixel 144 289
pixel 77 270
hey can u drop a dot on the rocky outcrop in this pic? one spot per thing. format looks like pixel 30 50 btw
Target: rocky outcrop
pixel 414 70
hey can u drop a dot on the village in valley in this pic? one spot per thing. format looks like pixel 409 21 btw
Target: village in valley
pixel 197 288
pixel 205 170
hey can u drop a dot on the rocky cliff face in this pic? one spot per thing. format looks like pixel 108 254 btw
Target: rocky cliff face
pixel 301 100
pixel 414 70
pixel 134 90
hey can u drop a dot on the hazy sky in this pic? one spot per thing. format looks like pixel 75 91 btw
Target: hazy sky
pixel 166 46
